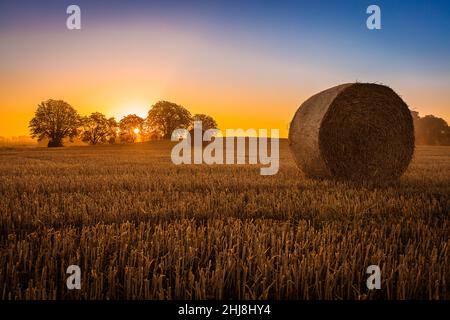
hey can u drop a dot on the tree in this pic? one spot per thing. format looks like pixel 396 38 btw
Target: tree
pixel 130 127
pixel 415 117
pixel 55 120
pixel 97 128
pixel 430 130
pixel 166 116
pixel 114 129
pixel 207 121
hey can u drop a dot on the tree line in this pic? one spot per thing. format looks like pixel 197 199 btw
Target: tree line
pixel 430 130
pixel 57 120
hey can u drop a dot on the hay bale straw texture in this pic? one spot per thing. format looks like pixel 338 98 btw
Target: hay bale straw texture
pixel 354 131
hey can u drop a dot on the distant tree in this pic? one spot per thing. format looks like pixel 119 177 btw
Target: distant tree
pixel 431 130
pixel 149 133
pixel 415 115
pixel 130 127
pixel 207 121
pixel 55 120
pixel 97 128
pixel 166 116
pixel 114 129
pixel 154 135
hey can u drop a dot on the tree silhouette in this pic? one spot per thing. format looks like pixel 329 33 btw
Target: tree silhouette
pixel 55 120
pixel 127 127
pixel 167 116
pixel 114 127
pixel 207 121
pixel 430 130
pixel 98 129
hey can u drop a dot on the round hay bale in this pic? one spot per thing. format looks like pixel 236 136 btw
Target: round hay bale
pixel 354 131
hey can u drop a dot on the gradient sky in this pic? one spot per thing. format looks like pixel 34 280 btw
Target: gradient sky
pixel 249 64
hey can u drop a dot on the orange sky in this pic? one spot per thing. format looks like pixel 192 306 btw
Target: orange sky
pixel 242 84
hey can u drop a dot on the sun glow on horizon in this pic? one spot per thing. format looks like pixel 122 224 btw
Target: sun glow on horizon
pixel 140 109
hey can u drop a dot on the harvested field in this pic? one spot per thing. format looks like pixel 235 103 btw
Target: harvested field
pixel 142 228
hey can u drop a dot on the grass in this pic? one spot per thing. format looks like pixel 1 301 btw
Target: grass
pixel 142 228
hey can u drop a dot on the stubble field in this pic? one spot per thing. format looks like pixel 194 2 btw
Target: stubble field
pixel 140 227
